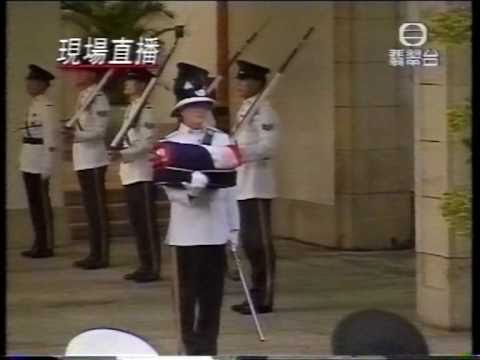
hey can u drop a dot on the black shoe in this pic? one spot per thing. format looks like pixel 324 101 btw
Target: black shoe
pixel 96 264
pixel 132 275
pixel 37 254
pixel 83 262
pixel 239 307
pixel 143 277
pixel 260 309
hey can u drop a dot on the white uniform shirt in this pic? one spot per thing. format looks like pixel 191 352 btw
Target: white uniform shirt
pixel 208 219
pixel 135 165
pixel 89 149
pixel 41 123
pixel 257 141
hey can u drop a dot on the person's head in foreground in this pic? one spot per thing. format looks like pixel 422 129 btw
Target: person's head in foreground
pixel 251 78
pixel 377 332
pixel 193 106
pixel 38 80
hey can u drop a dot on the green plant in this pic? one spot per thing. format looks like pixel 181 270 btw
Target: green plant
pixel 459 122
pixel 451 27
pixel 114 20
pixel 456 207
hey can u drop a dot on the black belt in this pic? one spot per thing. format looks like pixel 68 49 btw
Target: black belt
pixel 32 141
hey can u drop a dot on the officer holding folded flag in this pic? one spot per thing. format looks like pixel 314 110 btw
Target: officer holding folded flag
pixel 202 221
pixel 36 160
pixel 255 188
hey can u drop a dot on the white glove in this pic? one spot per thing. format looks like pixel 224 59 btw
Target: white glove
pixel 47 165
pixel 233 239
pixel 198 182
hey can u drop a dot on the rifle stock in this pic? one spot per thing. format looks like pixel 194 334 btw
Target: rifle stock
pixel 76 117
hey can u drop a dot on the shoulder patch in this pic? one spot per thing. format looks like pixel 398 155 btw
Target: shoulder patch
pixel 149 125
pixel 267 127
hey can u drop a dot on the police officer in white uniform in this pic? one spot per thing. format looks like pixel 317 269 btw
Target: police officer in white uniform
pixel 90 161
pixel 202 221
pixel 36 160
pixel 136 175
pixel 256 185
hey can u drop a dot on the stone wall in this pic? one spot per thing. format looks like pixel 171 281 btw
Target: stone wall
pixel 373 130
pixel 443 258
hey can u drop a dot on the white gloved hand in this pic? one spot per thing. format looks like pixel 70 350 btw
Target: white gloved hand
pixel 47 164
pixel 233 239
pixel 198 182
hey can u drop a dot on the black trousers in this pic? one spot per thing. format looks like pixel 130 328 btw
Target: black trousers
pixel 92 184
pixel 198 290
pixel 256 239
pixel 40 210
pixel 142 212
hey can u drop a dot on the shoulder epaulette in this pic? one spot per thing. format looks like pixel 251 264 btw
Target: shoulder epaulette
pixel 214 129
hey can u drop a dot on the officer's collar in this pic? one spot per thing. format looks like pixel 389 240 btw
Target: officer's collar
pixel 39 97
pixel 188 130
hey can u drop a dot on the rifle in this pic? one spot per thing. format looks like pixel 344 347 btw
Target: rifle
pixel 76 117
pixel 116 143
pixel 252 110
pixel 251 39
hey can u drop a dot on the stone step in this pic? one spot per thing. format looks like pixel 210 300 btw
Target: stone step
pixel 118 228
pixel 73 196
pixel 116 211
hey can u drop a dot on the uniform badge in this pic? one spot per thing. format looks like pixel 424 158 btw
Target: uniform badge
pixel 102 113
pixel 149 125
pixel 267 127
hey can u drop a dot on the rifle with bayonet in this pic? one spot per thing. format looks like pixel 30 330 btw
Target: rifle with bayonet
pixel 268 90
pixel 128 124
pixel 249 41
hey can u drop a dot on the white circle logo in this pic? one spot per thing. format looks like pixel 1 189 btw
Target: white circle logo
pixel 413 34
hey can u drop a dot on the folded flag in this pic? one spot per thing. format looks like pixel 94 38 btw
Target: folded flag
pixel 174 162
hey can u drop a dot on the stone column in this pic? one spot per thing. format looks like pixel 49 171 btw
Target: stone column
pixel 373 134
pixel 443 258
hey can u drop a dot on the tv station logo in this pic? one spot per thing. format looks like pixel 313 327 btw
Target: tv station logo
pixel 413 35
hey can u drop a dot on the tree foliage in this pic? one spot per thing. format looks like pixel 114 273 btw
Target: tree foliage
pixel 114 20
pixel 457 209
pixel 451 27
pixel 454 27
